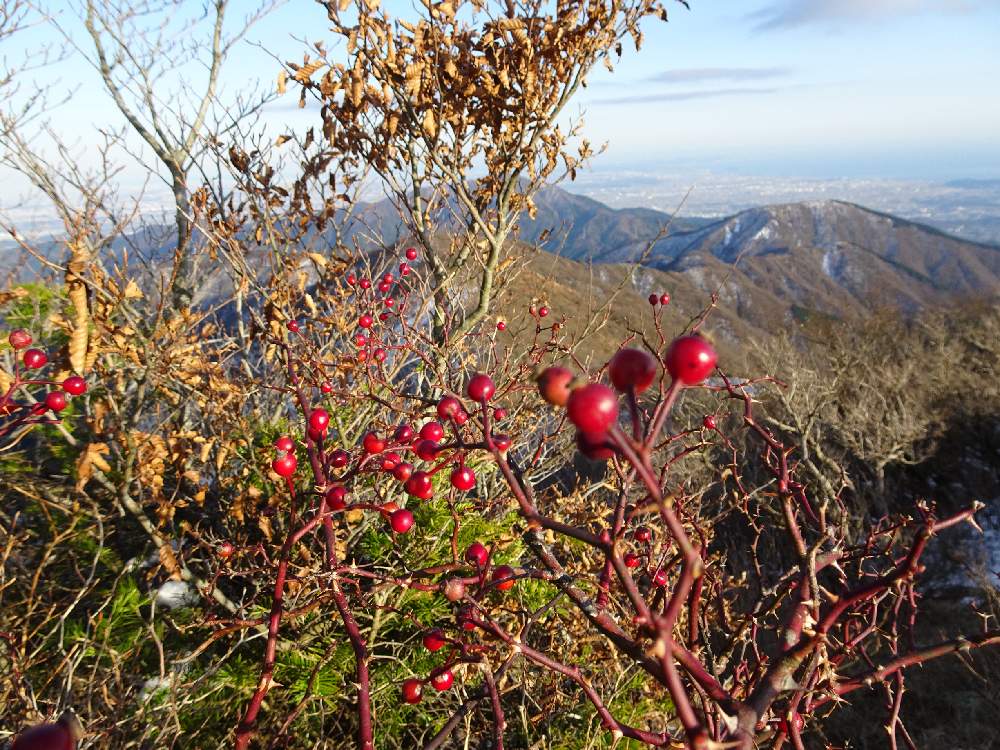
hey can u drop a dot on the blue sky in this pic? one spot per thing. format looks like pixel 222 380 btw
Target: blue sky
pixel 811 88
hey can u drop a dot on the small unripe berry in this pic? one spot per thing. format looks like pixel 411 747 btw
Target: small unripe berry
pixel 480 388
pixel 339 458
pixel 434 640
pixel 411 253
pixel 632 368
pixel 463 478
pixel 503 575
pixel 477 554
pixel 592 408
pixel 56 400
pixel 454 589
pixel 319 419
pixel 442 680
pixel 34 358
pixel 412 691
pixel 401 520
pixel 690 359
pixel 285 466
pixel 553 385
pixel 19 338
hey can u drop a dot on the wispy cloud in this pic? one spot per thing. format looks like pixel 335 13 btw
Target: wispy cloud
pixel 785 14
pixel 701 75
pixel 680 96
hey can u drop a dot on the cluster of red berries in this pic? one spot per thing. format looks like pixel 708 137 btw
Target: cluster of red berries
pixel 502 578
pixel 593 407
pixel 55 399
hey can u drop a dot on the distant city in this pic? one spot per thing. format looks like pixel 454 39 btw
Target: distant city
pixel 967 208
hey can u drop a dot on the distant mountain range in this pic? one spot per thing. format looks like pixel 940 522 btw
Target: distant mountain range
pixel 770 265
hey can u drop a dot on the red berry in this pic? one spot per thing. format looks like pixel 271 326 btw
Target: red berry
pixel 326 386
pixel 74 385
pixel 501 325
pixel 442 679
pixel 403 434
pixel 596 447
pixel 448 406
pixel 432 431
pixel 366 321
pixel 664 299
pixel 426 450
pixel 336 498
pixel 504 576
pixel 19 338
pixel 372 443
pixel 499 414
pixel 387 278
pixel 316 435
pixel 464 617
pixel 360 339
pixel 461 417
pixel 709 422
pixel 434 640
pixel 319 419
pixel 56 400
pixel 285 466
pixel 660 577
pixel 402 472
pixel 412 691
pixel 390 461
pixel 404 269
pixel 632 368
pixel 653 299
pixel 463 478
pixel 420 486
pixel 477 554
pixel 379 355
pixel 401 520
pixel 532 310
pixel 339 458
pixel 690 359
pixel 293 326
pixel 643 534
pixel 592 408
pixel 366 284
pixel 352 279
pixel 631 560
pixel 543 311
pixel 389 302
pixel 502 442
pixel 480 388
pixel 411 253
pixel 45 737
pixel 553 385
pixel 226 550
pixel 797 722
pixel 384 287
pixel 34 358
